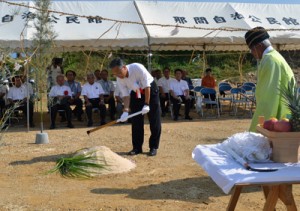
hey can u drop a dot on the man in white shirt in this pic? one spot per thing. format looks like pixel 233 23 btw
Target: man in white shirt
pixel 93 96
pixel 4 88
pixel 140 92
pixel 108 88
pixel 76 92
pixel 60 95
pixel 164 89
pixel 179 91
pixel 18 94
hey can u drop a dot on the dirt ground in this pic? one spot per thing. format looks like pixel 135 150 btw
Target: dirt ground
pixel 170 181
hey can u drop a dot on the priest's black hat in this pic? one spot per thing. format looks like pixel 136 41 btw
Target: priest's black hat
pixel 256 35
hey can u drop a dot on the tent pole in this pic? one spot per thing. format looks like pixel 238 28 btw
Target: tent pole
pixel 204 60
pixel 149 59
pixel 240 66
pixel 148 36
pixel 27 84
pixel 191 59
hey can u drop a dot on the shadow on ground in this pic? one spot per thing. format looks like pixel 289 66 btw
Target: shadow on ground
pixel 50 158
pixel 196 190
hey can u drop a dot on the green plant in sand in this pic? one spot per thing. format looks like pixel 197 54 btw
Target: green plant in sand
pixel 82 166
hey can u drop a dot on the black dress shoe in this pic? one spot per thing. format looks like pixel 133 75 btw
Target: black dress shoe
pixel 175 118
pixel 135 152
pixel 152 152
pixel 188 118
pixel 52 127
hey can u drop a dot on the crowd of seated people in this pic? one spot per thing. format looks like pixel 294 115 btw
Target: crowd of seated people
pixel 98 94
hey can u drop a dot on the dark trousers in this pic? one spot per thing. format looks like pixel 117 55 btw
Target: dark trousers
pixel 164 102
pixel 78 107
pixel 111 105
pixel 56 107
pixel 95 104
pixel 23 108
pixel 2 106
pixel 177 105
pixel 136 104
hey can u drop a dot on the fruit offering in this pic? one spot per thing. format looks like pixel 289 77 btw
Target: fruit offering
pixel 282 125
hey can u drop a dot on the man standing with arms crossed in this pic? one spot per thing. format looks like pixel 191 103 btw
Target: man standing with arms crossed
pixel 144 95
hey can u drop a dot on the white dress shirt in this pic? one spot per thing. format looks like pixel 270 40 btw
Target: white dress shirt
pixel 165 84
pixel 138 78
pixel 17 93
pixel 178 87
pixel 92 90
pixel 60 91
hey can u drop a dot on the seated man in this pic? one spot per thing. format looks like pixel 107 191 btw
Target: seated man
pixel 18 94
pixel 164 87
pixel 60 95
pixel 179 91
pixel 93 96
pixel 76 92
pixel 97 74
pixel 119 100
pixel 4 88
pixel 190 84
pixel 108 88
pixel 120 103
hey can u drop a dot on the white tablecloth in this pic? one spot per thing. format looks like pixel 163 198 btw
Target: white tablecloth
pixel 226 172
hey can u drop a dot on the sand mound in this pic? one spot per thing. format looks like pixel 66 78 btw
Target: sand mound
pixel 114 162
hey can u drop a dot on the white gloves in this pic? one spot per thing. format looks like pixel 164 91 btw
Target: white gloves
pixel 145 109
pixel 123 117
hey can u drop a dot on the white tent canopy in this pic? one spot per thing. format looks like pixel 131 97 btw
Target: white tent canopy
pixel 76 33
pixel 217 16
pixel 83 33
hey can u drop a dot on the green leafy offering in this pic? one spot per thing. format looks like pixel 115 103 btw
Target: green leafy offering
pixel 78 166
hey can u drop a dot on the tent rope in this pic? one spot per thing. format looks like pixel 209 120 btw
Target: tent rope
pixel 228 29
